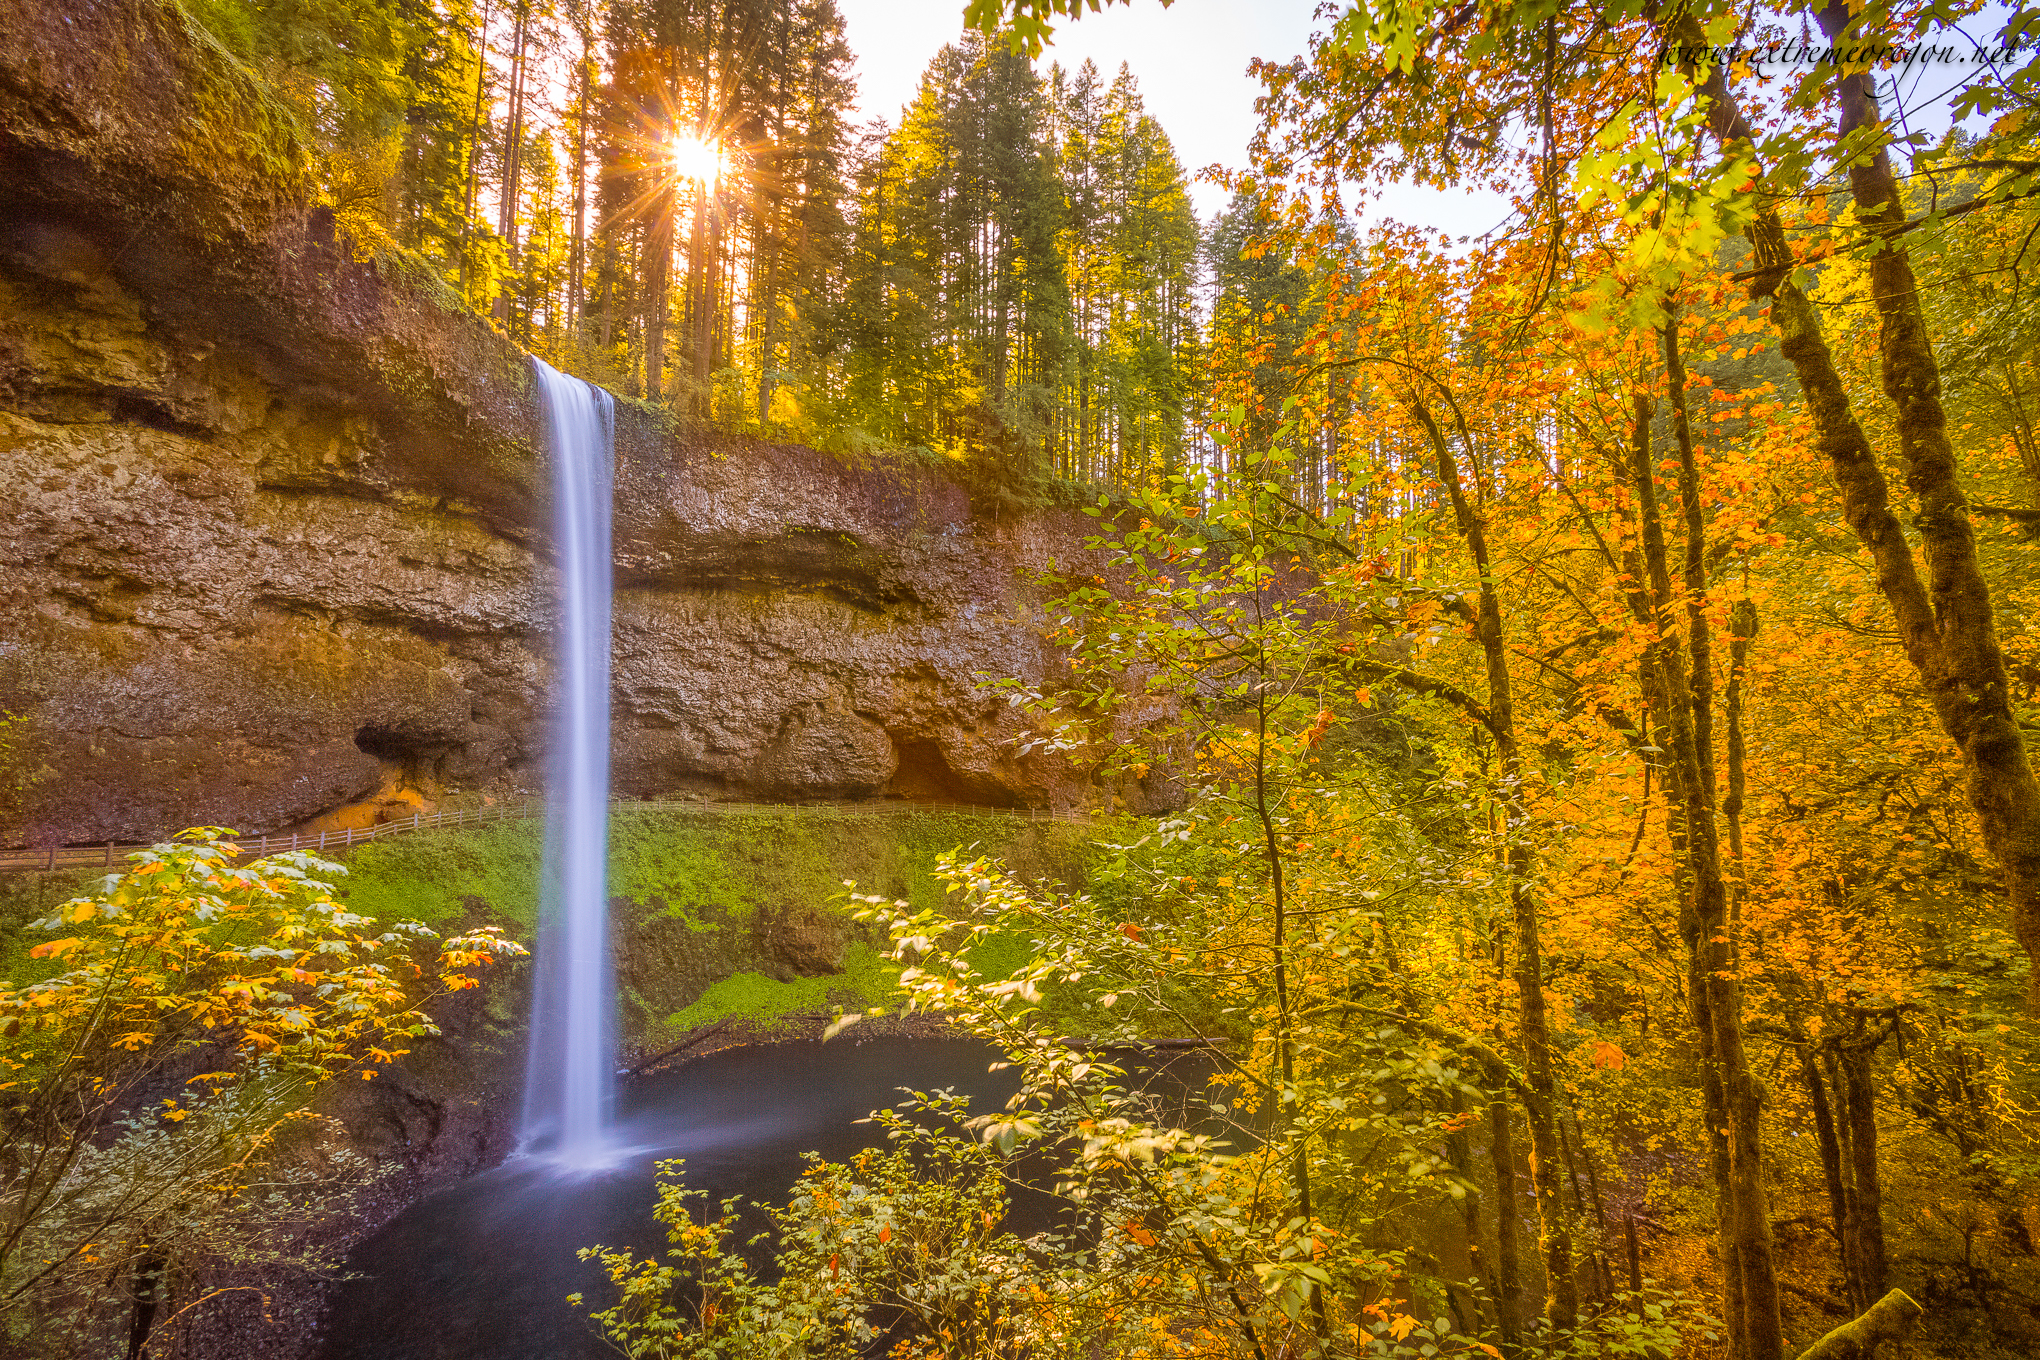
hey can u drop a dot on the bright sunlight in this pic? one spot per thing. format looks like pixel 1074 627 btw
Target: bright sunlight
pixel 695 158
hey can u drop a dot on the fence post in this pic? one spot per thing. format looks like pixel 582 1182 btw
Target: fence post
pixel 350 835
pixel 53 859
pixel 414 819
pixel 109 855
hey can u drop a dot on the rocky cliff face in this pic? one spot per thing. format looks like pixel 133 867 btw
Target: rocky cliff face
pixel 272 532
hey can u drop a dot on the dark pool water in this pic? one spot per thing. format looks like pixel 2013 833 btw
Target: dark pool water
pixel 482 1268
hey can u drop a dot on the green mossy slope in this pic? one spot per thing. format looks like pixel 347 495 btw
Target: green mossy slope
pixel 714 915
pixel 717 914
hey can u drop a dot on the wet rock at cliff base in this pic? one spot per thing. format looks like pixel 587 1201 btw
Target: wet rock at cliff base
pixel 820 751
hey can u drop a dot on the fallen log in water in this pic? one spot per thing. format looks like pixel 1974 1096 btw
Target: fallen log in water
pixel 699 1036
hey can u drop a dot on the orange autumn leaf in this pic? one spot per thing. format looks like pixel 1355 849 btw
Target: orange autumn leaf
pixel 1608 1055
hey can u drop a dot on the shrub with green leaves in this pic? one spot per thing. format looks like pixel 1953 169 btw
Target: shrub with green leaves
pixel 157 1084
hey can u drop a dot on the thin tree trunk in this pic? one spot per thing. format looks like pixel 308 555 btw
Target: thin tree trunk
pixel 1661 677
pixel 1561 1296
pixel 698 292
pixel 766 306
pixel 1572 1176
pixel 608 291
pixel 1742 631
pixel 1508 1248
pixel 1285 1042
pixel 513 148
pixel 1459 1148
pixel 1866 1202
pixel 707 315
pixel 658 255
pixel 474 165
pixel 1602 1253
pixel 1831 1171
pixel 146 1289
pixel 1749 1284
pixel 1635 1261
pixel 1715 939
pixel 577 257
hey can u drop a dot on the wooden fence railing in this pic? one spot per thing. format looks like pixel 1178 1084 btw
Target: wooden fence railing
pixel 468 819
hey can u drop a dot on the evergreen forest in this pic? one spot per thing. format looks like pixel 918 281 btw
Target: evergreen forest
pixel 673 198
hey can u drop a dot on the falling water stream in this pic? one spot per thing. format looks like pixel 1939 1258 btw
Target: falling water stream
pixel 569 1086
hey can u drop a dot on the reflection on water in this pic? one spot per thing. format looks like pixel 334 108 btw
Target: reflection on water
pixel 482 1269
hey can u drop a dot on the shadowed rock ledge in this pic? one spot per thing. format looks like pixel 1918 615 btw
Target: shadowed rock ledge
pixel 272 547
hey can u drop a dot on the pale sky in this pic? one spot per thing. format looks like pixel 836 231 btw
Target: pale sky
pixel 1190 59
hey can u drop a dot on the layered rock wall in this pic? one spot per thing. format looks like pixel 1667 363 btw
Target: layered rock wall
pixel 272 525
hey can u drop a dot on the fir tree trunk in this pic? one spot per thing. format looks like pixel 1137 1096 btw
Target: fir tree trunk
pixel 474 160
pixel 513 145
pixel 699 296
pixel 658 256
pixel 577 259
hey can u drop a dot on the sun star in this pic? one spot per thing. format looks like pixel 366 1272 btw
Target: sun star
pixel 695 158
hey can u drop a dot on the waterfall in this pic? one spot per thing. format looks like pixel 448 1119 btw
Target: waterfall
pixel 569 1074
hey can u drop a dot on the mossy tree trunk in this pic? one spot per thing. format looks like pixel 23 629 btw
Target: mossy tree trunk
pixel 1944 623
pixel 1956 650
